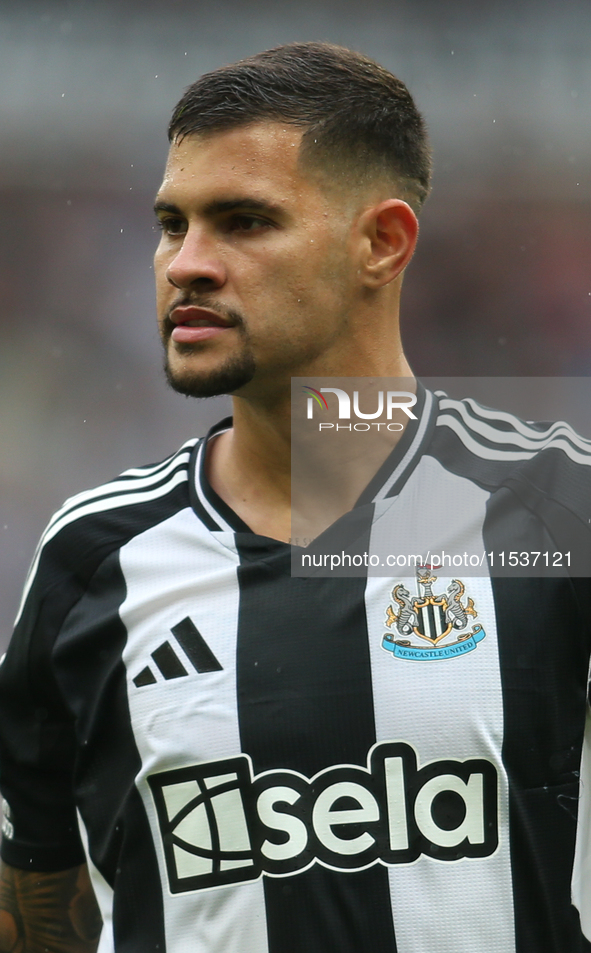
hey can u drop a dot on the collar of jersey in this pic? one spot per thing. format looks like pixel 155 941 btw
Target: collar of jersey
pixel 387 482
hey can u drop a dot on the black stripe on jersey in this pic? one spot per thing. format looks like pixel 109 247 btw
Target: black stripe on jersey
pixel 305 700
pixel 195 646
pixel 66 563
pixel 86 540
pixel 94 631
pixel 543 790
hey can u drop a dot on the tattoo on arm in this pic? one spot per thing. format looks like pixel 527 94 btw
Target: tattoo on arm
pixel 48 912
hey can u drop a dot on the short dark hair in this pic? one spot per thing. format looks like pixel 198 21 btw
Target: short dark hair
pixel 359 119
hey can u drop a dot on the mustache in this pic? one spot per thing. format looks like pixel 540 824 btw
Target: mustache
pixel 234 318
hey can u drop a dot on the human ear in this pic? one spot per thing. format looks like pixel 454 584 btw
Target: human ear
pixel 390 231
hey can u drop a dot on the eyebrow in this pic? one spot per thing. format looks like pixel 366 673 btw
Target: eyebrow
pixel 160 206
pixel 219 206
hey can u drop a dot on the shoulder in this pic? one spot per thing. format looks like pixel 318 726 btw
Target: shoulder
pixel 135 489
pixel 498 445
pixel 536 477
pixel 94 523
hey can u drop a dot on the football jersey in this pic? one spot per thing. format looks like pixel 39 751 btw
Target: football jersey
pixel 254 762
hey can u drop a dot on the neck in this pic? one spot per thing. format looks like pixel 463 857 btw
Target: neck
pixel 250 466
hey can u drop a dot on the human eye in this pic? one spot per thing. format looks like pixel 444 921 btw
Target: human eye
pixel 247 222
pixel 171 224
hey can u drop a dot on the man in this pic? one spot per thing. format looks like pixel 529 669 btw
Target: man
pixel 252 761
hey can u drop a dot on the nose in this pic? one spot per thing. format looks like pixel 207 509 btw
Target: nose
pixel 196 263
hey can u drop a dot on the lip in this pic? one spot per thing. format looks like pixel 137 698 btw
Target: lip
pixel 186 332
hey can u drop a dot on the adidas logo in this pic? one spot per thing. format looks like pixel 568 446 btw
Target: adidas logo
pixel 168 662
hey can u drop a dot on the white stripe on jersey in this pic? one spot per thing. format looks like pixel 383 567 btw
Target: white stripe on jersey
pixel 489 453
pixel 103 893
pixel 412 450
pixel 521 426
pixel 581 882
pixel 466 893
pixel 127 482
pixel 216 517
pixel 143 488
pixel 559 435
pixel 174 570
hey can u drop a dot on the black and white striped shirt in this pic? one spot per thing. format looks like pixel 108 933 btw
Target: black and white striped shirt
pixel 255 762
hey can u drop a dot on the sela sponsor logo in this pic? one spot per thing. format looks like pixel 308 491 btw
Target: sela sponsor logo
pixel 389 401
pixel 220 825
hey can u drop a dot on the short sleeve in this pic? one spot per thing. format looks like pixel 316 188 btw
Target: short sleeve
pixel 37 742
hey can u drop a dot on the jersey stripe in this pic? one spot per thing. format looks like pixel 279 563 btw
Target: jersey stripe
pixel 210 515
pixel 544 791
pixel 112 813
pixel 131 481
pixel 402 471
pixel 441 724
pixel 192 719
pixel 119 490
pixel 499 453
pixel 501 443
pixel 288 665
pixel 528 429
pixel 104 894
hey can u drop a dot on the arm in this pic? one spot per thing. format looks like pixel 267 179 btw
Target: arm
pixel 48 912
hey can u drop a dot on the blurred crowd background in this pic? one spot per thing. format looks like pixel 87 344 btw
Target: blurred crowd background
pixel 501 284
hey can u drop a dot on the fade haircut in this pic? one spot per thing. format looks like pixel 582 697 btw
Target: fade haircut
pixel 360 122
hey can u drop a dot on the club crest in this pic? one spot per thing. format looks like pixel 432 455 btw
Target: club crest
pixel 426 626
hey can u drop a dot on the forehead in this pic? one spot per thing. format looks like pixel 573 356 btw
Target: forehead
pixel 260 157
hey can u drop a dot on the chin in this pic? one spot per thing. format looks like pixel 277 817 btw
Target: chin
pixel 226 379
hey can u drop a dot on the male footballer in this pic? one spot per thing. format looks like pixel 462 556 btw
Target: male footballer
pixel 202 751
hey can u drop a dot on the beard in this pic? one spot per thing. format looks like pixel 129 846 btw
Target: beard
pixel 227 379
